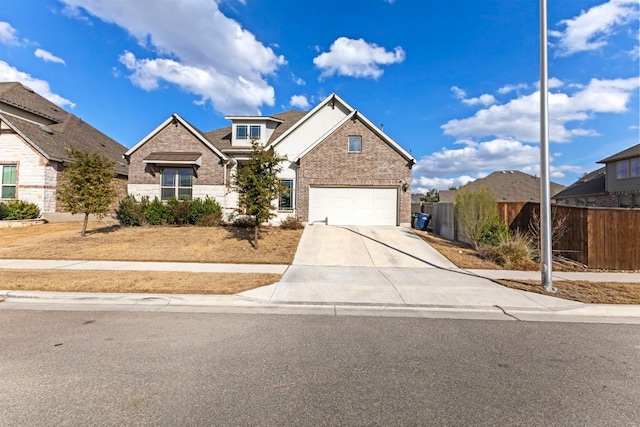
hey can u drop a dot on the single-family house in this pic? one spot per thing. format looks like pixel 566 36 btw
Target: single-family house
pixel 616 184
pixel 340 168
pixel 34 136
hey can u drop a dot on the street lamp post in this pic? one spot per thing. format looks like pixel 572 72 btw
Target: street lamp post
pixel 546 257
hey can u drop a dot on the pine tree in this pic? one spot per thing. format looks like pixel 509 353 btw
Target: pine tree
pixel 86 185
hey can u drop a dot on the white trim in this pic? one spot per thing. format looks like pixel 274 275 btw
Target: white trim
pixel 175 162
pixel 333 97
pixel 367 123
pixel 255 118
pixel 164 124
pixel 27 140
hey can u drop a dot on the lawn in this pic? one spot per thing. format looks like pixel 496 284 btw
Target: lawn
pixel 107 242
pixel 110 242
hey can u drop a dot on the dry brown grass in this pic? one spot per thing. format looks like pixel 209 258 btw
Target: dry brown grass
pixel 134 281
pixel 583 291
pixel 464 256
pixel 111 242
pixel 461 254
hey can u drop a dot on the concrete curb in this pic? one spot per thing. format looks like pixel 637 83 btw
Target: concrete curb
pixel 42 300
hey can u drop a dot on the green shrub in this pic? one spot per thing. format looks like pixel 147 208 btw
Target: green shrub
pixel 130 212
pixel 474 210
pixel 18 209
pixel 291 223
pixel 205 212
pixel 4 211
pixel 179 210
pixel 512 250
pixel 493 232
pixel 158 213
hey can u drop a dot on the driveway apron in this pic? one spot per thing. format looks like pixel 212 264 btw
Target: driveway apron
pixel 388 266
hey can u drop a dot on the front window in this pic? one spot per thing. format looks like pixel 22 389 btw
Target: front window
pixel 355 144
pixel 254 132
pixel 635 167
pixel 285 203
pixel 623 169
pixel 177 183
pixel 8 181
pixel 241 132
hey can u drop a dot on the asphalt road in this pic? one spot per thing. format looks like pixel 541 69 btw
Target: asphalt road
pixel 145 368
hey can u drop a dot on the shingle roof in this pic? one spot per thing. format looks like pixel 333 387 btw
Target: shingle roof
pixel 512 186
pixel 624 154
pixel 65 128
pixel 221 138
pixel 164 156
pixel 592 184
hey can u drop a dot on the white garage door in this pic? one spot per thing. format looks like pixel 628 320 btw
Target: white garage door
pixel 353 206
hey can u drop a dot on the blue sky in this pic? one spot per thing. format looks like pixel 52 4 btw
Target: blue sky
pixel 454 82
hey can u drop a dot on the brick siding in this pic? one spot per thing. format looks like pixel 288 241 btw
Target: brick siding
pixel 377 165
pixel 175 138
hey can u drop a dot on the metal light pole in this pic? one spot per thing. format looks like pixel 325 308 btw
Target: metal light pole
pixel 546 258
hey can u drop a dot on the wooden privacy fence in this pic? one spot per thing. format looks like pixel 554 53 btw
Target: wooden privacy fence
pixel 607 238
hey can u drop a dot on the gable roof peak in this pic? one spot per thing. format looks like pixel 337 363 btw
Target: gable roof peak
pixel 176 119
pixel 633 151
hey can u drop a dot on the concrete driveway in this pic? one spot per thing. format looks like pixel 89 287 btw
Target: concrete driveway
pixel 366 247
pixel 389 266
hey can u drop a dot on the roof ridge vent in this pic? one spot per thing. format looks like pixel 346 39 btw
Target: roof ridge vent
pixel 46 129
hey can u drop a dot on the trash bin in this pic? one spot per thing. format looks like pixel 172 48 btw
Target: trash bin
pixel 414 217
pixel 422 220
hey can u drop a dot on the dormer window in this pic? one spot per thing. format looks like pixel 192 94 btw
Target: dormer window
pixel 248 132
pixel 241 132
pixel 254 132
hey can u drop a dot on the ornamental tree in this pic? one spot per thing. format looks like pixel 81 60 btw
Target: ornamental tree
pixel 258 186
pixel 86 185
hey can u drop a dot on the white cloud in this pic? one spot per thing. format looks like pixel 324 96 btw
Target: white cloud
pixel 356 58
pixel 422 184
pixel 11 74
pixel 589 30
pixel 48 56
pixel 211 86
pixel 519 118
pixel 227 62
pixel 8 34
pixel 512 88
pixel 476 157
pixel 455 167
pixel 299 101
pixel 554 83
pixel 485 99
pixel 298 80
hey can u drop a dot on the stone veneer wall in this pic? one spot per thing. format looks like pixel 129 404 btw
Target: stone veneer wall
pixel 377 165
pixel 175 138
pixel 36 177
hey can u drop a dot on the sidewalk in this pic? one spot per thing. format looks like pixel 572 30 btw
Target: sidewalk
pixel 334 290
pixel 191 267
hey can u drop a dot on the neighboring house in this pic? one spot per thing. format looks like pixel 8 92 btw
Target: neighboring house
pixel 617 184
pixel 340 169
pixel 507 186
pixel 623 176
pixel 587 191
pixel 34 136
